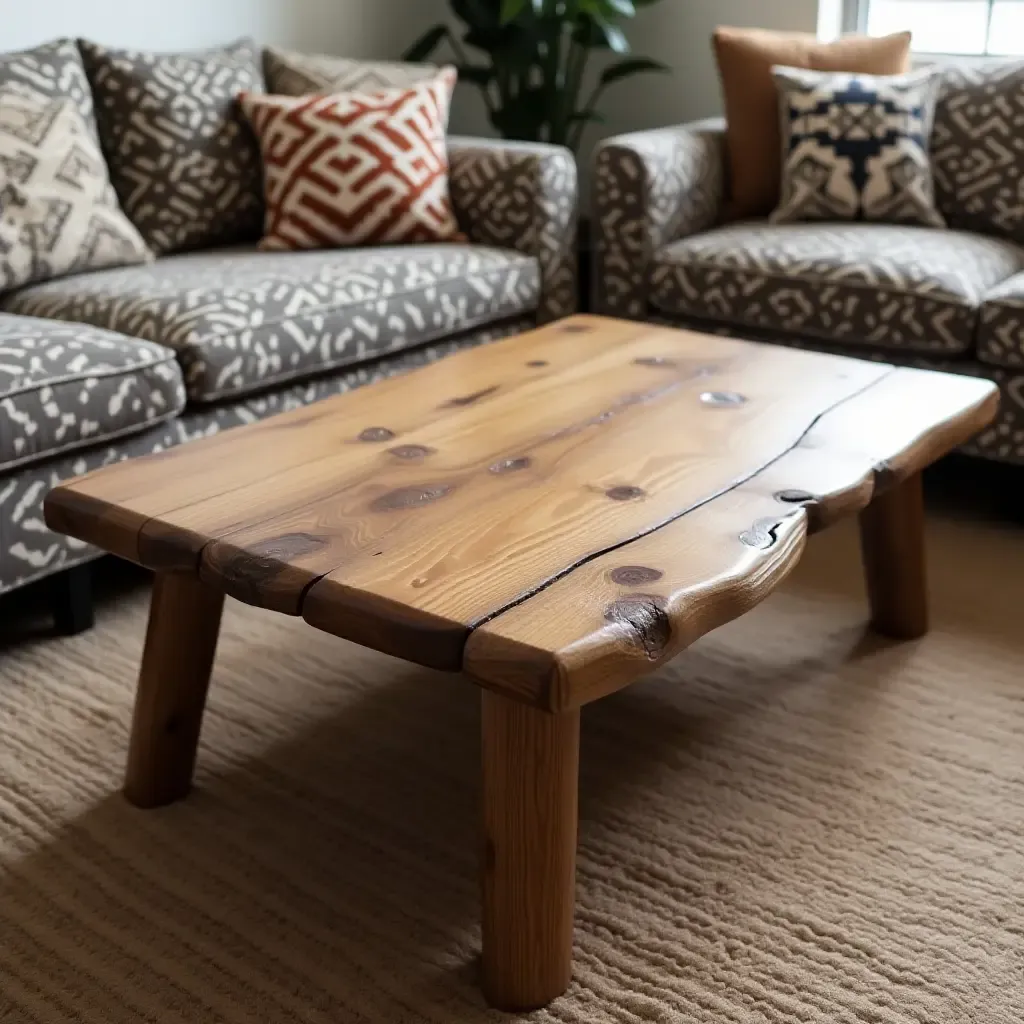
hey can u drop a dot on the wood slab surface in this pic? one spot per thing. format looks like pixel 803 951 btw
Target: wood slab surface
pixel 555 514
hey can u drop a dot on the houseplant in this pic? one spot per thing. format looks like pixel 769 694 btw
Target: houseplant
pixel 529 59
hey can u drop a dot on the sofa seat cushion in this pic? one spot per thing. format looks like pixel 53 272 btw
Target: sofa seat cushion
pixel 1001 330
pixel 880 285
pixel 64 386
pixel 241 321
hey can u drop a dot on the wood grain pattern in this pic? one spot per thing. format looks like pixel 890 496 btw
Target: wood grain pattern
pixel 184 621
pixel 595 481
pixel 530 771
pixel 126 497
pixel 560 649
pixel 555 514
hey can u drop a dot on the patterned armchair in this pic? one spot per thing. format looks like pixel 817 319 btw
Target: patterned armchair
pixel 664 250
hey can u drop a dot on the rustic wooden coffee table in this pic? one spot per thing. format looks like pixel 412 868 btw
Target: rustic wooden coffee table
pixel 555 516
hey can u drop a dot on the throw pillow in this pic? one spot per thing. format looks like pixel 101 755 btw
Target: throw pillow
pixel 356 168
pixel 297 74
pixel 51 71
pixel 978 147
pixel 745 59
pixel 181 155
pixel 855 147
pixel 58 210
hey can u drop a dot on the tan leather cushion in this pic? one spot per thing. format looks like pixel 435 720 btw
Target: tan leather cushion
pixel 753 141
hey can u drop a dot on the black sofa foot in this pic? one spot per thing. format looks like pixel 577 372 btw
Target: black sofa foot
pixel 71 600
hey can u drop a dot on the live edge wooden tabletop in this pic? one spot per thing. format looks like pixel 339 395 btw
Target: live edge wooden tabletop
pixel 553 514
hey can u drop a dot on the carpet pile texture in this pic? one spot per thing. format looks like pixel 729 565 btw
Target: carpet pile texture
pixel 793 822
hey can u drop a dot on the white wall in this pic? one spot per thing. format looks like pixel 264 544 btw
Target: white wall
pixel 356 28
pixel 678 33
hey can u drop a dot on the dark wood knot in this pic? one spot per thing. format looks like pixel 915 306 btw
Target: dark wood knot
pixel 763 534
pixel 722 399
pixel 461 400
pixel 510 465
pixel 654 361
pixel 634 575
pixel 410 451
pixel 410 497
pixel 376 434
pixel 794 497
pixel 267 558
pixel 625 492
pixel 537 362
pixel 645 620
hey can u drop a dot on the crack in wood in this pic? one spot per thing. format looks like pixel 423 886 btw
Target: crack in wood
pixel 646 532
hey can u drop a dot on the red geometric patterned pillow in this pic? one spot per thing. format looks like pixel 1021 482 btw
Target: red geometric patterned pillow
pixel 355 168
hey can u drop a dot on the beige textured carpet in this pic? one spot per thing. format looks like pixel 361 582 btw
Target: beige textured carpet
pixel 794 822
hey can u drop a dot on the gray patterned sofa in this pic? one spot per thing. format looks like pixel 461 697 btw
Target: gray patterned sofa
pixel 950 298
pixel 105 365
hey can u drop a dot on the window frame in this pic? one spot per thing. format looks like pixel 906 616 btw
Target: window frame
pixel 854 14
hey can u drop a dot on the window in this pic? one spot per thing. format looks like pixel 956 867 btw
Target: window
pixel 970 27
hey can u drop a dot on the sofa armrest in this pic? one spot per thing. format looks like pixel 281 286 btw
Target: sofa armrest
pixel 650 188
pixel 522 196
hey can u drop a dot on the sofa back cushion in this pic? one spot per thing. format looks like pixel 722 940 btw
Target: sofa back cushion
pixel 50 71
pixel 182 157
pixel 297 74
pixel 58 211
pixel 978 148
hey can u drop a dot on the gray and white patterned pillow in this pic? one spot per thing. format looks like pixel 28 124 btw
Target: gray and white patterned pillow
pixel 58 210
pixel 855 147
pixel 182 156
pixel 296 74
pixel 51 71
pixel 978 147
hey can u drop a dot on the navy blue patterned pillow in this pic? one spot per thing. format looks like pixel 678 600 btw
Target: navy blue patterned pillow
pixel 855 147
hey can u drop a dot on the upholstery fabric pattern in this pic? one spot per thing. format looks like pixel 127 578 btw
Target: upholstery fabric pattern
pixel 58 210
pixel 521 196
pixel 29 550
pixel 1001 331
pixel 63 386
pixel 978 147
pixel 355 168
pixel 650 188
pixel 855 147
pixel 860 284
pixel 298 74
pixel 241 321
pixel 52 71
pixel 182 157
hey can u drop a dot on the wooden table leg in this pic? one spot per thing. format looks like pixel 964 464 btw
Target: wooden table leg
pixel 892 545
pixel 184 620
pixel 530 776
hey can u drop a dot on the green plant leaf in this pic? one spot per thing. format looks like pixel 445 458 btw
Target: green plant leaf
pixel 630 66
pixel 611 35
pixel 426 44
pixel 511 9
